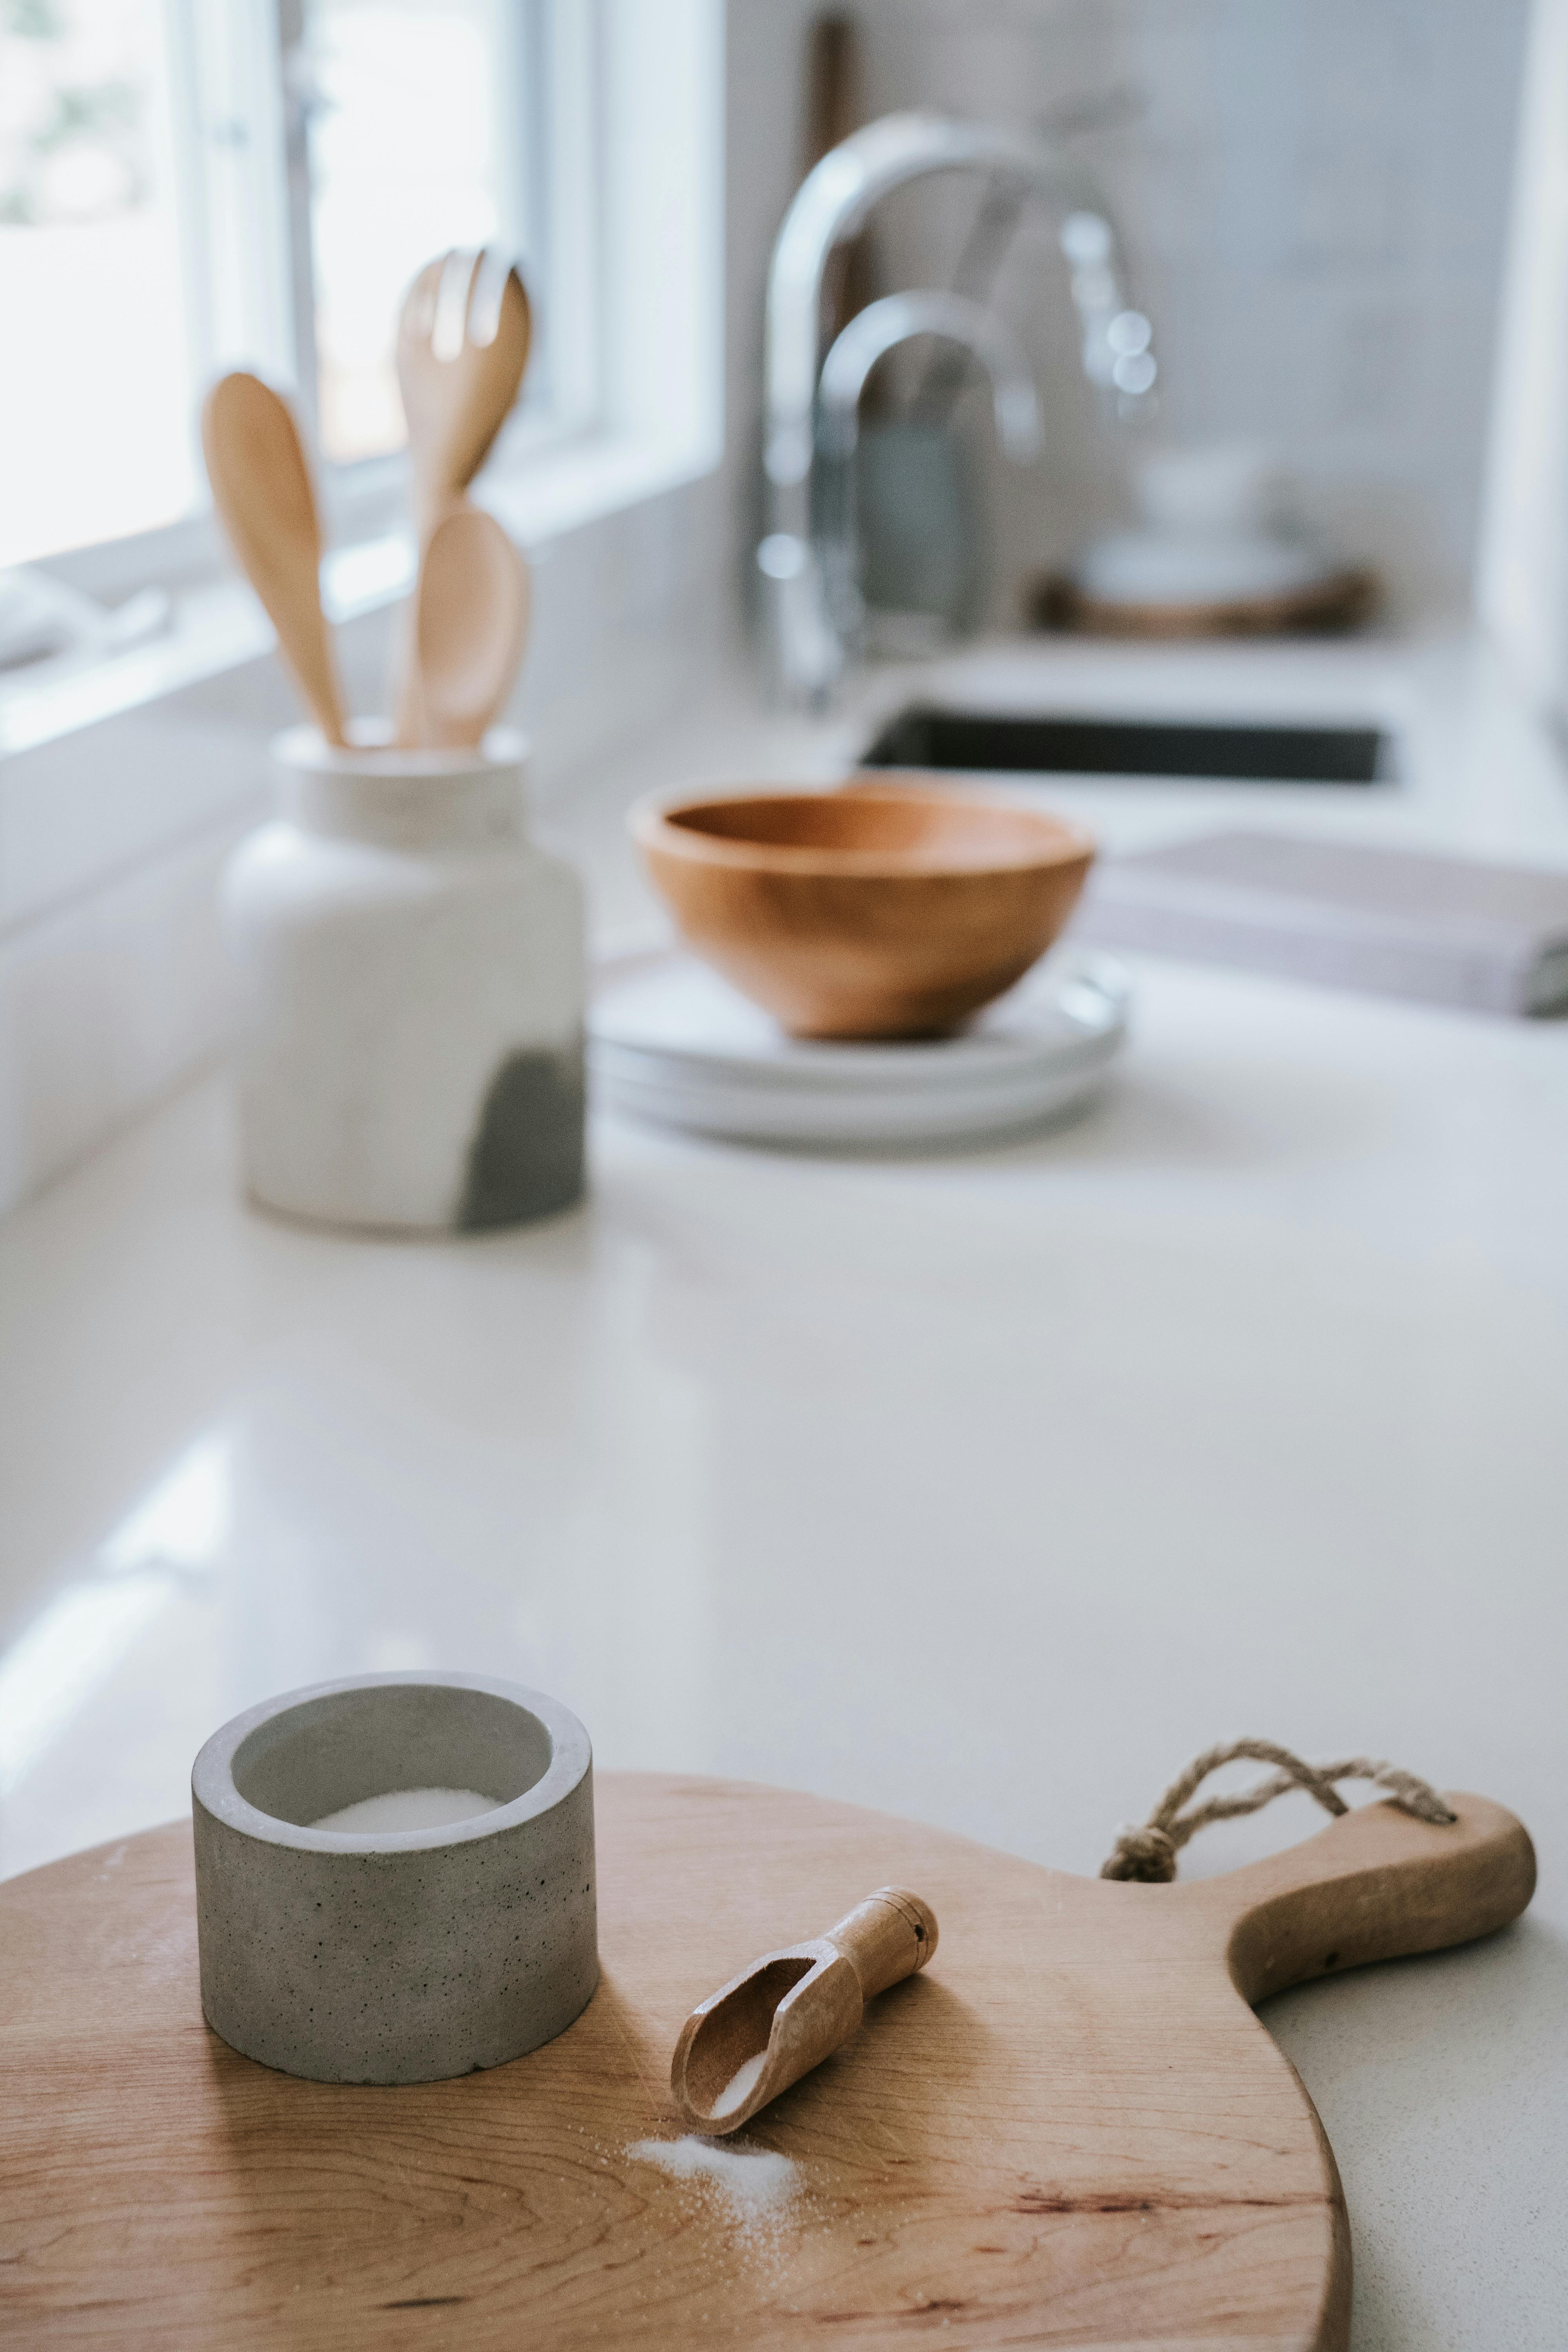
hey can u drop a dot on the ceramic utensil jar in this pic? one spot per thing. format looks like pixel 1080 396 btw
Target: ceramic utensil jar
pixel 411 974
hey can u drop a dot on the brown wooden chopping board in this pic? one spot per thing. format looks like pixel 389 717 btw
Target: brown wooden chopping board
pixel 1071 2130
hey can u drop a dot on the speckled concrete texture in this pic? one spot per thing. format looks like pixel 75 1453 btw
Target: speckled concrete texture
pixel 401 1957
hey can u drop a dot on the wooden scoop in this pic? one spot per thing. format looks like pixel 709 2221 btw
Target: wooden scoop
pixel 790 2010
pixel 469 626
pixel 261 484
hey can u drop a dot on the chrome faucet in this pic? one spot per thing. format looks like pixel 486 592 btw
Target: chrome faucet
pixel 809 602
pixel 871 334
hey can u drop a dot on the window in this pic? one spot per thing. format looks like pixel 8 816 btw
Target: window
pixel 187 185
pixel 425 128
pixel 93 259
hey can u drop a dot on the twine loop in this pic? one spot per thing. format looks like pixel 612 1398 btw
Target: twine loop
pixel 1147 1851
pixel 1149 1854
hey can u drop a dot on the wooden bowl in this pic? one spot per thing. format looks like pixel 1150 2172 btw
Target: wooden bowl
pixel 885 910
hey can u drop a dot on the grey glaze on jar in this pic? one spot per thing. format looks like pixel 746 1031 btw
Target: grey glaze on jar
pixel 405 1956
pixel 410 975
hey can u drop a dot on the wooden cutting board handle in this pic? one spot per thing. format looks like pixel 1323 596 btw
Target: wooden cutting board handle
pixel 1377 1885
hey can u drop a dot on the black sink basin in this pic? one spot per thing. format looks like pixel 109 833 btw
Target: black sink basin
pixel 930 736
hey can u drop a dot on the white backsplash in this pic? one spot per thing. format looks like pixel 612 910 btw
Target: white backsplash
pixel 1314 194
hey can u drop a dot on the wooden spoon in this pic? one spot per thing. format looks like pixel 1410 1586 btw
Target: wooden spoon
pixel 262 483
pixel 462 346
pixel 471 620
pixel 786 2012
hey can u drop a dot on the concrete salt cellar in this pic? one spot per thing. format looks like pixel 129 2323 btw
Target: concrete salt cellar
pixel 411 979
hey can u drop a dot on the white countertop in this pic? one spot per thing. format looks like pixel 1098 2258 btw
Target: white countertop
pixel 985 1488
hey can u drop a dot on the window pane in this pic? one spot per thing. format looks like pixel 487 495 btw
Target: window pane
pixel 96 434
pixel 414 110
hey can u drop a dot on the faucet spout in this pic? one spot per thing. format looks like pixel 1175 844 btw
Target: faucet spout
pixel 875 330
pixel 830 203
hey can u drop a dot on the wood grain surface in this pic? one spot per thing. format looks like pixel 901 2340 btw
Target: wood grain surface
pixel 1070 2131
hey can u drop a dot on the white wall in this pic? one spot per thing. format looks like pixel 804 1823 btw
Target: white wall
pixel 1315 193
pixel 1524 562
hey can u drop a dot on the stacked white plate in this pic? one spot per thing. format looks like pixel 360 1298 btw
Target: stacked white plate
pixel 671 1042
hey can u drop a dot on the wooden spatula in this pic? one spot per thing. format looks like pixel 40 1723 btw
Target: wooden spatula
pixel 261 484
pixel 470 622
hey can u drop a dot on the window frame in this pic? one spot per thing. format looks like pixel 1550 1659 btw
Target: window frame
pixel 606 75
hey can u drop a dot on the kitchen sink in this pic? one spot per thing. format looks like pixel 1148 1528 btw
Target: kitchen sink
pixel 928 735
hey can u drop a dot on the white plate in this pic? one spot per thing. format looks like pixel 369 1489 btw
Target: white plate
pixel 1156 567
pixel 671 1041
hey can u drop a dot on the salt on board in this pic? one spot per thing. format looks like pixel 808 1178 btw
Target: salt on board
pixel 755 2183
